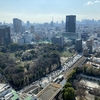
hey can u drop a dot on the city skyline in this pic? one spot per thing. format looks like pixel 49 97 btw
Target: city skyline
pixel 44 10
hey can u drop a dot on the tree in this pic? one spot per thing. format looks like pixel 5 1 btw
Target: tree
pixel 80 92
pixel 27 66
pixel 18 53
pixel 89 70
pixel 69 93
pixel 26 56
pixel 71 76
pixel 3 49
pixel 96 91
pixel 68 85
pixel 14 47
pixel 96 98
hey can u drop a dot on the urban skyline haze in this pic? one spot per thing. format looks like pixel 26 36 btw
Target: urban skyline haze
pixel 43 10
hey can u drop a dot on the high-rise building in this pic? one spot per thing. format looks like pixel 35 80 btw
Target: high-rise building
pixel 5 37
pixel 89 44
pixel 85 52
pixel 71 23
pixel 58 40
pixel 17 24
pixel 78 45
pixel 32 29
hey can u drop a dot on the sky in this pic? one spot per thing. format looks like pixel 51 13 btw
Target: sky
pixel 41 11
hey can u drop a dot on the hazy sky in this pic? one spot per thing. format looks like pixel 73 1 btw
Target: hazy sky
pixel 44 10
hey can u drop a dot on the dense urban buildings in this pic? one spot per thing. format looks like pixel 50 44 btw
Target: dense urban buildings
pixel 5 37
pixel 70 23
pixel 17 25
pixel 48 51
pixel 34 44
pixel 5 91
pixel 84 36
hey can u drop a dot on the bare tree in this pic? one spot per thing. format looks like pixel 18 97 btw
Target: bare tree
pixel 81 90
pixel 96 91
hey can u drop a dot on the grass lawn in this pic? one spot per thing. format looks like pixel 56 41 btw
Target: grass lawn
pixel 66 54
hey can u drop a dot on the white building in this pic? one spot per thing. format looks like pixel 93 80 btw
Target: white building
pixel 96 60
pixel 28 37
pixel 5 91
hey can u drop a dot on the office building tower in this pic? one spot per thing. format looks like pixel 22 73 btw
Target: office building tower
pixel 70 23
pixel 32 29
pixel 5 37
pixel 89 44
pixel 17 24
pixel 78 45
pixel 58 40
pixel 85 52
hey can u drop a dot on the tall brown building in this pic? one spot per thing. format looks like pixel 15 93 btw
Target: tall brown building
pixel 89 44
pixel 17 24
pixel 5 37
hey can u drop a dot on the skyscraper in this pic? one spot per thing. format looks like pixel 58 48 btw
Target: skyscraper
pixel 70 23
pixel 5 37
pixel 17 24
pixel 78 45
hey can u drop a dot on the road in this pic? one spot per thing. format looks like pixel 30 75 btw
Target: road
pixel 77 64
pixel 66 68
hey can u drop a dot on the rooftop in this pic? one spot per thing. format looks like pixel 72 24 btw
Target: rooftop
pixel 30 89
pixel 25 96
pixel 49 92
pixel 2 85
pixel 15 95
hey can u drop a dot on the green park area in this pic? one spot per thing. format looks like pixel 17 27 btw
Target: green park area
pixel 66 54
pixel 23 64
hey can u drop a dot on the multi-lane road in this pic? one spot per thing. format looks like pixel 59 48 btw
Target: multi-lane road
pixel 78 63
pixel 75 61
